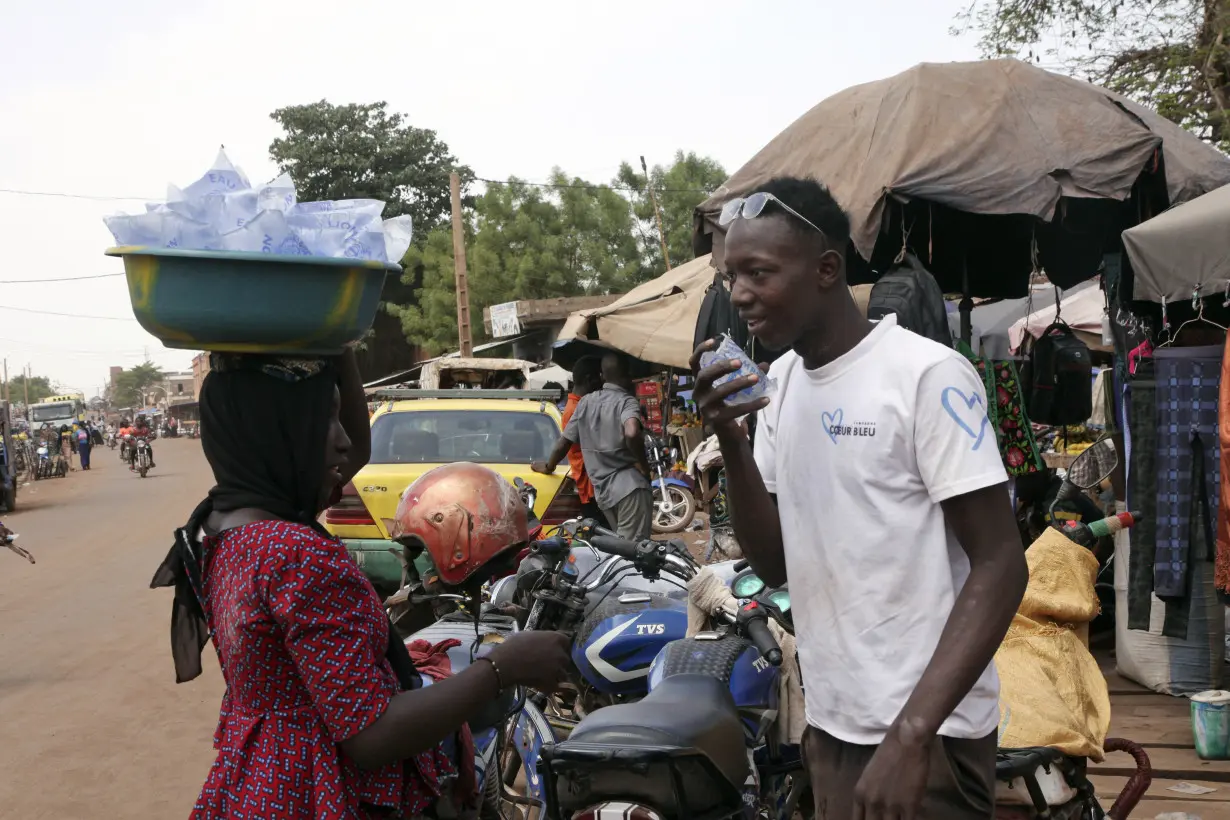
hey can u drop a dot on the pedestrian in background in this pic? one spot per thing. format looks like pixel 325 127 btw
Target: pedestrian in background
pixel 607 426
pixel 66 446
pixel 586 378
pixel 84 444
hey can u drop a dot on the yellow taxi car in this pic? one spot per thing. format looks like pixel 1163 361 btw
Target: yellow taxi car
pixel 412 435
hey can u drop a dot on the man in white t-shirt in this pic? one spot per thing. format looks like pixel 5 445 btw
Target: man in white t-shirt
pixel 876 488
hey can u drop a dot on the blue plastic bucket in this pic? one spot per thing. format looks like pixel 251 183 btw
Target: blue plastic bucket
pixel 1211 724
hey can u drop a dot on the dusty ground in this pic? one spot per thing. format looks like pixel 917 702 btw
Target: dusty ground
pixel 92 721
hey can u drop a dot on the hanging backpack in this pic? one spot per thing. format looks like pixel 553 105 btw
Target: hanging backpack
pixel 910 291
pixel 1058 382
pixel 718 316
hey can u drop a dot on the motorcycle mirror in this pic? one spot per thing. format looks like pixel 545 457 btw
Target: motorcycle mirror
pixel 1095 465
pixel 518 482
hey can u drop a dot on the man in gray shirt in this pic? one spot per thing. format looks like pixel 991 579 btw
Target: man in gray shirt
pixel 607 425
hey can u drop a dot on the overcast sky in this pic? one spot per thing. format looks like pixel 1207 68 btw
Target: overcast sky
pixel 118 99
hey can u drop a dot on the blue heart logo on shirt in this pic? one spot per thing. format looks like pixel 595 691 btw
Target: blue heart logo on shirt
pixel 831 420
pixel 965 410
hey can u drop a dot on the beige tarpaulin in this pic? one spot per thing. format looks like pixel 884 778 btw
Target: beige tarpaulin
pixel 654 321
pixel 1189 245
pixel 989 137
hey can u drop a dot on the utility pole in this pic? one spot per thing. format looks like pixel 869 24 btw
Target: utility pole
pixel 26 383
pixel 7 398
pixel 459 269
pixel 657 213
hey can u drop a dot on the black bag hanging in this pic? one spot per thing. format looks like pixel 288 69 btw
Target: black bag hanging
pixel 718 316
pixel 1059 389
pixel 910 291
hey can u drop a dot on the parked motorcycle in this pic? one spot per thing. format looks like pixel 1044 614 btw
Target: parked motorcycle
pixel 674 498
pixel 609 595
pixel 700 743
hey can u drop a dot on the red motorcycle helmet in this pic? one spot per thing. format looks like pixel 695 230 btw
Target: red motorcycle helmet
pixel 465 515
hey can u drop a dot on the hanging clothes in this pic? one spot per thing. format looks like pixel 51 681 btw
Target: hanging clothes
pixel 1006 411
pixel 1140 408
pixel 1188 469
pixel 1222 574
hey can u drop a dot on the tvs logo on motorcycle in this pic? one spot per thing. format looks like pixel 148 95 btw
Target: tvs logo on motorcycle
pixel 651 629
pixel 374 488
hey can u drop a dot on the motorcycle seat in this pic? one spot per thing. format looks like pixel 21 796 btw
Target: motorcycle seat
pixel 686 713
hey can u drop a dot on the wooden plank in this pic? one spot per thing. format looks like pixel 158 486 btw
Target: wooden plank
pixel 1176 764
pixel 1150 809
pixel 1152 731
pixel 1160 706
pixel 1108 788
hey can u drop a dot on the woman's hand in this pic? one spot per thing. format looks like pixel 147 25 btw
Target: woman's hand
pixel 711 400
pixel 538 660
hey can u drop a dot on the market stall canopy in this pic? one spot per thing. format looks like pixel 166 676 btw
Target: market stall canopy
pixel 992 147
pixel 1182 249
pixel 553 373
pixel 992 323
pixel 654 321
pixel 1082 311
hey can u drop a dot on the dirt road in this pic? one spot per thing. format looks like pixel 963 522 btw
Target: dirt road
pixel 92 721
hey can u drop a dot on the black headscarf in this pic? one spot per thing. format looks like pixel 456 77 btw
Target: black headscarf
pixel 266 421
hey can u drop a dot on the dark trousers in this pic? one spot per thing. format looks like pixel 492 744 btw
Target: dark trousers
pixel 960 784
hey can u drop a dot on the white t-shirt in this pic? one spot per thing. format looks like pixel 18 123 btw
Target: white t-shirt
pixel 860 453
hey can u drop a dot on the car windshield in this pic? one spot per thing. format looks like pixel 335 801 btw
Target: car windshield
pixel 51 412
pixel 441 436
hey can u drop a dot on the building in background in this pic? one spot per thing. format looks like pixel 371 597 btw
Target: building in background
pixel 200 369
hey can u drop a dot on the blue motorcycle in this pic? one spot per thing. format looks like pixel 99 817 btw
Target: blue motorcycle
pixel 700 743
pixel 621 602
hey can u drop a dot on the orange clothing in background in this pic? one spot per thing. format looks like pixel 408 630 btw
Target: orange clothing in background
pixel 585 489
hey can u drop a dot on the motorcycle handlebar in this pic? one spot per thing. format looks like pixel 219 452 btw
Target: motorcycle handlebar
pixel 608 542
pixel 760 635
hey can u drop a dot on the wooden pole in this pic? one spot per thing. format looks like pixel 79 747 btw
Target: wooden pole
pixel 7 398
pixel 459 269
pixel 26 383
pixel 657 213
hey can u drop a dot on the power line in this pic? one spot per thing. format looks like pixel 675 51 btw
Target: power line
pixel 60 279
pixel 588 187
pixel 68 315
pixel 66 195
pixel 555 185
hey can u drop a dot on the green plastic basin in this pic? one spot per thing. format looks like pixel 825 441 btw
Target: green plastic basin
pixel 252 302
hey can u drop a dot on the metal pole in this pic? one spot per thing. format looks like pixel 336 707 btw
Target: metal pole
pixel 459 269
pixel 657 213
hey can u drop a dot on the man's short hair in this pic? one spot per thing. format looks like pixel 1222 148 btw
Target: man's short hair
pixel 586 370
pixel 813 201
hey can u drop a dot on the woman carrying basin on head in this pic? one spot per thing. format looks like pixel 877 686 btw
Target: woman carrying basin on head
pixel 321 716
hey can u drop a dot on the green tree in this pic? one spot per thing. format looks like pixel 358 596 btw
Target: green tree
pixel 130 385
pixel 364 151
pixel 40 388
pixel 522 242
pixel 1171 55
pixel 679 187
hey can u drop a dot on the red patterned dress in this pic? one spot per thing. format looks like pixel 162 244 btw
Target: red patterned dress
pixel 301 639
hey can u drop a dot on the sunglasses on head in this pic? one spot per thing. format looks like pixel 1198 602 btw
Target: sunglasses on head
pixel 753 205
